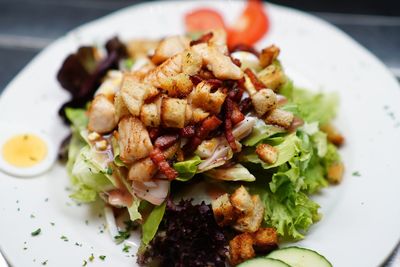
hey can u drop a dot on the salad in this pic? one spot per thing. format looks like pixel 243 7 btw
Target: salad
pixel 213 154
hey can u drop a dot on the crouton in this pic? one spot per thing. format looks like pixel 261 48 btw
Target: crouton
pixel 264 101
pixel 173 112
pixel 335 172
pixel 272 77
pixel 169 47
pixel 191 62
pixel 267 153
pixel 150 114
pixel 241 248
pixel 120 107
pixel 179 85
pixel 265 239
pixel 202 97
pixel 134 93
pixel 268 55
pixel 134 141
pixel 223 210
pixel 102 115
pixel 241 200
pixel 280 118
pixel 333 135
pixel 251 221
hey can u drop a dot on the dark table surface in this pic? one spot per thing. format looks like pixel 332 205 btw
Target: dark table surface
pixel 28 26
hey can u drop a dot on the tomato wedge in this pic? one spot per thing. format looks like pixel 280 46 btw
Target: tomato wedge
pixel 251 25
pixel 203 19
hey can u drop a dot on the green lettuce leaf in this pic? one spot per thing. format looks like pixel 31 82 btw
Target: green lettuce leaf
pixel 187 169
pixel 235 173
pixel 133 210
pixel 150 226
pixel 260 132
pixel 77 117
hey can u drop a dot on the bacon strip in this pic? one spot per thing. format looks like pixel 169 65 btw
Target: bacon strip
pixel 236 93
pixel 158 158
pixel 237 115
pixel 207 126
pixel 228 124
pixel 165 141
pixel 203 39
pixel 188 131
pixel 154 133
pixel 244 105
pixel 254 80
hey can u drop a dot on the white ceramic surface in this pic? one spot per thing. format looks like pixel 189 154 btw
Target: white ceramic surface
pixel 361 218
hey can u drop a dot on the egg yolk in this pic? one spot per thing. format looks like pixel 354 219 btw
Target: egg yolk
pixel 25 150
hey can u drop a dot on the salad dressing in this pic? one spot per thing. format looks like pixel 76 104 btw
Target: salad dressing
pixel 24 150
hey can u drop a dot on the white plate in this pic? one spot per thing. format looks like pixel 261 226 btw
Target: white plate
pixel 361 216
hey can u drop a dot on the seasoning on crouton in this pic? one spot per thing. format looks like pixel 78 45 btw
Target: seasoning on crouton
pixel 268 55
pixel 241 248
pixel 272 77
pixel 241 200
pixel 173 112
pixel 191 62
pixel 251 221
pixel 179 85
pixel 202 97
pixel 263 101
pixel 265 239
pixel 223 210
pixel 280 118
pixel 267 153
pixel 335 172
pixel 150 114
pixel 333 135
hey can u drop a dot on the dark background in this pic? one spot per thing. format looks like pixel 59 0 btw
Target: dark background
pixel 27 26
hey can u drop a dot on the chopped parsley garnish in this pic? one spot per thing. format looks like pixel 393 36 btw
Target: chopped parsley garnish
pixel 109 171
pixel 45 262
pixel 356 173
pixel 87 222
pixel 84 263
pixel 46 199
pixel 102 257
pixel 122 235
pixel 126 248
pixel 32 216
pixel 78 245
pixel 64 238
pixel 36 232
pixel 52 224
pixel 91 258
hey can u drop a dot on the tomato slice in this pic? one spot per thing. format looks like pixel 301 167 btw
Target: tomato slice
pixel 203 19
pixel 251 25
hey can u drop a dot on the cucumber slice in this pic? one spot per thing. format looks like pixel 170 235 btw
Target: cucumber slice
pixel 263 262
pixel 300 257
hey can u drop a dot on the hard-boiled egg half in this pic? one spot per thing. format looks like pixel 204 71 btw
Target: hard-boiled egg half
pixel 26 152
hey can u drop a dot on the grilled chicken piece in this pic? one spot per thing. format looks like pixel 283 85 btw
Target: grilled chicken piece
pixel 267 153
pixel 134 93
pixel 120 107
pixel 102 115
pixel 154 191
pixel 280 118
pixel 218 40
pixel 268 55
pixel 111 84
pixel 264 101
pixel 241 248
pixel 134 141
pixel 202 97
pixel 221 65
pixel 251 221
pixel 168 69
pixel 169 47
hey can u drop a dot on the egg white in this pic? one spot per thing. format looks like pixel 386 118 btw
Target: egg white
pixel 35 170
